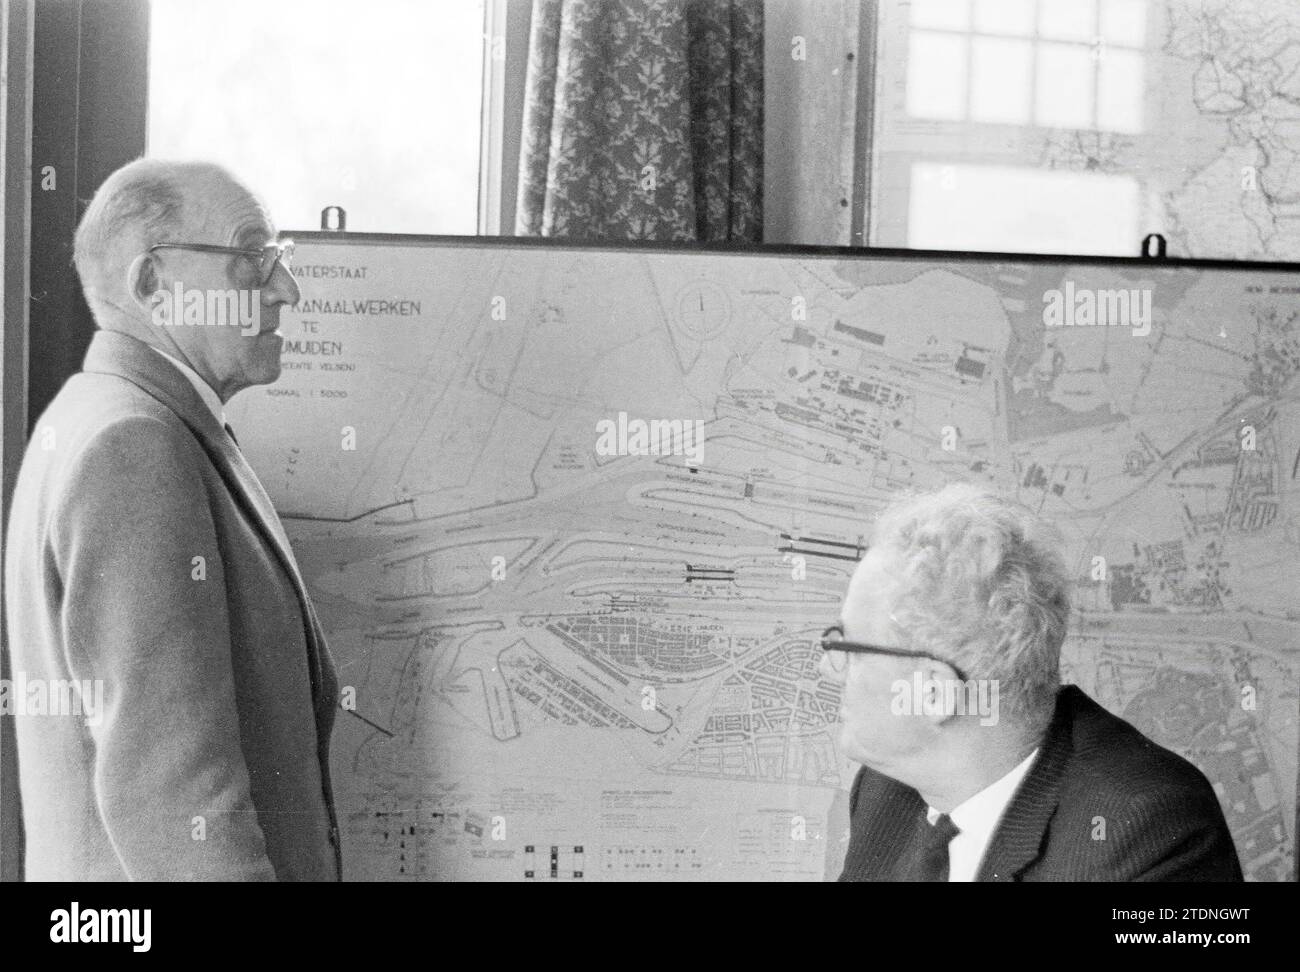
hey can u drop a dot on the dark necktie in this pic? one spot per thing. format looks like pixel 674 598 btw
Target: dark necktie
pixel 231 432
pixel 932 859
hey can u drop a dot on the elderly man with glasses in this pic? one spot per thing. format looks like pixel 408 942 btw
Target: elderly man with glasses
pixel 963 599
pixel 146 566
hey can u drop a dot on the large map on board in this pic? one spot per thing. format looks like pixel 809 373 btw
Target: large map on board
pixel 573 658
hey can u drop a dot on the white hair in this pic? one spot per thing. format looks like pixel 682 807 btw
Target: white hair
pixel 982 584
pixel 145 202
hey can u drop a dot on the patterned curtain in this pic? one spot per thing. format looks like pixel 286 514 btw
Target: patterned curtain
pixel 643 120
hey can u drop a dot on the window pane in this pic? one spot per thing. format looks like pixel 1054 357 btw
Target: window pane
pixel 1005 17
pixel 1068 19
pixel 941 14
pixel 373 107
pixel 1124 22
pixel 936 76
pixel 1000 80
pixel 1120 90
pixel 1064 86
pixel 966 207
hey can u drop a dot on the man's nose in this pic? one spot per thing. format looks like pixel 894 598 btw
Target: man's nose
pixel 282 288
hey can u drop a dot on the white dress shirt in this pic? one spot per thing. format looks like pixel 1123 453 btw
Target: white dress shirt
pixel 210 397
pixel 976 818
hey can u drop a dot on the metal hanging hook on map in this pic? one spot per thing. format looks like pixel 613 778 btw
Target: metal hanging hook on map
pixel 1153 246
pixel 336 215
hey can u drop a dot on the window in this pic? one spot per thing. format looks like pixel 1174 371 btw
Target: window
pixel 374 107
pixel 1053 63
pixel 1015 125
pixel 1016 209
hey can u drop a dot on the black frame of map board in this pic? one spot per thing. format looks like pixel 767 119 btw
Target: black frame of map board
pixel 784 250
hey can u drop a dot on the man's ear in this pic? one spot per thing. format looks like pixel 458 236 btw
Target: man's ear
pixel 942 692
pixel 143 280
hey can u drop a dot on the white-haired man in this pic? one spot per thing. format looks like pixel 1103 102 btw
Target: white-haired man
pixel 977 765
pixel 146 565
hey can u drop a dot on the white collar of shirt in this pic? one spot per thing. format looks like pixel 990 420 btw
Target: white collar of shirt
pixel 976 818
pixel 210 397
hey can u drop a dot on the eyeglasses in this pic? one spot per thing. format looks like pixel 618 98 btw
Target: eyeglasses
pixel 838 650
pixel 267 256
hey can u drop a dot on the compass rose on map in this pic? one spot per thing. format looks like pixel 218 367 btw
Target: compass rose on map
pixel 703 310
pixel 700 313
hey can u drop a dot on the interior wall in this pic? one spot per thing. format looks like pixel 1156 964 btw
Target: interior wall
pixel 812 60
pixel 89 117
